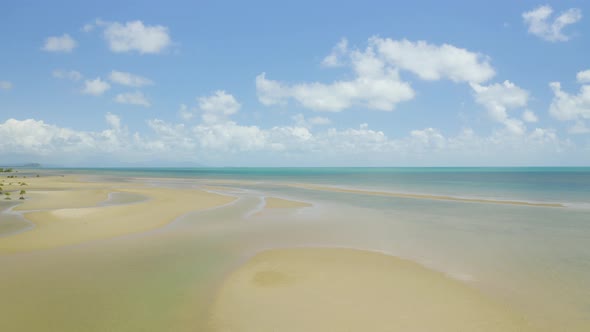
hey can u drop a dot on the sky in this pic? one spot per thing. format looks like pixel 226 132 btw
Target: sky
pixel 305 83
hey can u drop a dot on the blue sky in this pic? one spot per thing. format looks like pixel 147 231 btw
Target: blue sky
pixel 301 84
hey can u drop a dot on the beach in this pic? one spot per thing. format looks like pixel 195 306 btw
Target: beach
pixel 99 250
pixel 65 212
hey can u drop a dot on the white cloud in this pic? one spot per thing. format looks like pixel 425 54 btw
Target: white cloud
pixel 529 116
pixel 498 99
pixel 229 143
pixel 67 74
pixel 135 36
pixel 88 27
pixel 114 121
pixel 319 121
pixel 301 121
pixel 132 98
pixel 565 106
pixel 380 92
pixel 583 76
pixel 579 128
pixel 218 107
pixel 377 84
pixel 37 137
pixel 229 137
pixel 5 85
pixel 95 87
pixel 539 22
pixel 339 51
pixel 184 113
pixel 433 62
pixel 128 79
pixel 63 43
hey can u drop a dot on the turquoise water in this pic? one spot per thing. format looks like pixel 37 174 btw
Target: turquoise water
pixel 537 184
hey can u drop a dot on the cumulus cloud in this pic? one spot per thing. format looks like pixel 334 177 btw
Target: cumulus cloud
pixel 539 22
pixel 128 79
pixel 529 116
pixel 498 99
pixel 567 106
pixel 571 107
pixel 63 43
pixel 37 137
pixel 583 76
pixel 5 85
pixel 335 59
pixel 226 142
pixel 319 121
pixel 88 27
pixel 579 128
pixel 95 87
pixel 434 62
pixel 377 84
pixel 132 98
pixel 184 113
pixel 229 137
pixel 218 107
pixel 302 121
pixel 135 36
pixel 71 75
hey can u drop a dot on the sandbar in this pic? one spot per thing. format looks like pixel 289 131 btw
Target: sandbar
pixel 335 289
pixel 68 220
pixel 423 196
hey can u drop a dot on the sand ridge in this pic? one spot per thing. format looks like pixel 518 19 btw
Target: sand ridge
pixel 73 216
pixel 422 196
pixel 329 289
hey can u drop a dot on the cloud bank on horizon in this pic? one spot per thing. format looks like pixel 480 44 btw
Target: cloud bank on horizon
pixel 129 92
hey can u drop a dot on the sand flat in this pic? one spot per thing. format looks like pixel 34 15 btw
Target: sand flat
pixel 59 227
pixel 321 289
pixel 56 199
pixel 422 196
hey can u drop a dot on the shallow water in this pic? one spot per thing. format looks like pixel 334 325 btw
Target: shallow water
pixel 534 259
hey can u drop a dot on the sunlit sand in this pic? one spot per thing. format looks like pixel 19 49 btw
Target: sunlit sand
pixel 71 216
pixel 307 289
